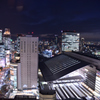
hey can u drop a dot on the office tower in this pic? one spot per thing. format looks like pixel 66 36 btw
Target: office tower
pixel 0 36
pixel 27 69
pixel 70 41
pixel 2 51
pixel 7 39
pixel 7 45
pixel 2 55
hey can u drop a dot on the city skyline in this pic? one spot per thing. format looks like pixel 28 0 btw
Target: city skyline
pixel 55 69
pixel 50 17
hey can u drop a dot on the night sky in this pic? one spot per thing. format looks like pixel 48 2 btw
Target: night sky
pixel 51 16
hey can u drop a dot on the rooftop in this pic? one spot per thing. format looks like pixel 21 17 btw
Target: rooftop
pixel 60 65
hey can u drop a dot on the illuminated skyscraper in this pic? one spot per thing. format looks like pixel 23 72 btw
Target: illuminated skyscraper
pixel 7 45
pixel 0 36
pixel 18 42
pixel 2 52
pixel 70 41
pixel 27 69
pixel 2 55
pixel 7 39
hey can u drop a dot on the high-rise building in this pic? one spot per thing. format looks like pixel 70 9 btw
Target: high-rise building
pixel 2 51
pixel 28 67
pixel 0 36
pixel 2 55
pixel 70 41
pixel 7 45
pixel 7 39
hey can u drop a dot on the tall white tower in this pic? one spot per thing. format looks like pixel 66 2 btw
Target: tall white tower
pixel 28 67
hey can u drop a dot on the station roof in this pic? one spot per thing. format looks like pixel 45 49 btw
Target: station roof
pixel 58 66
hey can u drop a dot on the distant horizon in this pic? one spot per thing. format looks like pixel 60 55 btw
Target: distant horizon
pixel 86 39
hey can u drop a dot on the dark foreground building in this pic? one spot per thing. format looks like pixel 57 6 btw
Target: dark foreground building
pixel 71 75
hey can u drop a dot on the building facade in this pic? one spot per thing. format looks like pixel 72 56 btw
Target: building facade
pixel 27 69
pixel 70 41
pixel 0 36
pixel 7 39
pixel 2 50
pixel 18 42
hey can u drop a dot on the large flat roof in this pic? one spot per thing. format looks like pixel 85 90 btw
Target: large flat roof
pixel 60 65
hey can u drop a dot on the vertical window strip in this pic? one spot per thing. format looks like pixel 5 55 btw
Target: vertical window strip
pixel 24 46
pixel 21 45
pixel 33 47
